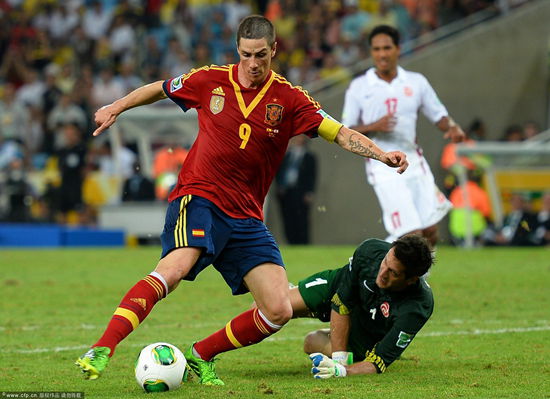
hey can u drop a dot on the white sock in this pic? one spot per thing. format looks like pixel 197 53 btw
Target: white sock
pixel 157 275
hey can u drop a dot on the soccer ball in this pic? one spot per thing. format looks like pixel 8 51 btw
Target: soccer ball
pixel 160 367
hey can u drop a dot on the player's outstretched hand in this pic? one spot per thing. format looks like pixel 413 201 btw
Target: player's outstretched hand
pixel 455 134
pixel 324 367
pixel 396 159
pixel 104 118
pixel 385 124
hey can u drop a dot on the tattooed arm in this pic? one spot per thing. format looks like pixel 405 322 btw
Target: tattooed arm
pixel 359 144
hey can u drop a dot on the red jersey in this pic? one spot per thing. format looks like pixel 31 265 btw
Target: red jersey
pixel 243 135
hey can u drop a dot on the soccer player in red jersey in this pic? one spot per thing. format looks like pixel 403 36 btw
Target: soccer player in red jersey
pixel 247 114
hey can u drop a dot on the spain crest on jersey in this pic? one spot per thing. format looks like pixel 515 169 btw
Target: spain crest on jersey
pixel 273 114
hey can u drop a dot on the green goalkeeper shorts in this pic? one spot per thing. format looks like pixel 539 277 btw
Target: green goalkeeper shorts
pixel 317 291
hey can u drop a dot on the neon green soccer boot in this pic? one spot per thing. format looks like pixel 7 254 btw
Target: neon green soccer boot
pixel 93 362
pixel 203 369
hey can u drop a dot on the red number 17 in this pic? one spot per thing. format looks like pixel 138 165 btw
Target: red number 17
pixel 391 104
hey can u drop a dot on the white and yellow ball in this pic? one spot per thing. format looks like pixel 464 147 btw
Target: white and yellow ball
pixel 160 367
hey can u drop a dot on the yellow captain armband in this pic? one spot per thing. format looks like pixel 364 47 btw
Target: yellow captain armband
pixel 328 129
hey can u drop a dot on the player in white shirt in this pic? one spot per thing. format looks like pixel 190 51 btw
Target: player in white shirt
pixel 383 104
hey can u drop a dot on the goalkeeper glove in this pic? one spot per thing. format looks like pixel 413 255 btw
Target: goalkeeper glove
pixel 342 357
pixel 325 367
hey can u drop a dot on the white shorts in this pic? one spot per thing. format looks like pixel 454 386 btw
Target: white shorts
pixel 410 203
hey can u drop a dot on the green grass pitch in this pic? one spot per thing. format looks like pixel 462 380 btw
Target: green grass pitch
pixel 488 337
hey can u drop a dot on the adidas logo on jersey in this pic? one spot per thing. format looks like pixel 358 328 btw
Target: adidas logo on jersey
pixel 219 91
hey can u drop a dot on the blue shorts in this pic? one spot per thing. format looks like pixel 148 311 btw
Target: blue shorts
pixel 233 246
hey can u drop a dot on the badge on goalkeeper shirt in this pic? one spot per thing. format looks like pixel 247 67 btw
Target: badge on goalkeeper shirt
pixel 404 339
pixel 385 309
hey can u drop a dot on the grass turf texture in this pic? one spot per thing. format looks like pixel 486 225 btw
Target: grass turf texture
pixel 488 336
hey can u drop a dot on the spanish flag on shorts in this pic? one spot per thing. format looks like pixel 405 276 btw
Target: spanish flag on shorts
pixel 197 232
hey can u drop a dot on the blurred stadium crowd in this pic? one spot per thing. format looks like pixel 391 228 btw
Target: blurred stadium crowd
pixel 526 220
pixel 61 60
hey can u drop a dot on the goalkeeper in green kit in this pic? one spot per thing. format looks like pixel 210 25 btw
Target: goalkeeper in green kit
pixel 376 304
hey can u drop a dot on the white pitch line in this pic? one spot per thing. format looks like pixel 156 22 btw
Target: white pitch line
pixel 484 332
pixel 300 321
pixel 448 333
pixel 275 338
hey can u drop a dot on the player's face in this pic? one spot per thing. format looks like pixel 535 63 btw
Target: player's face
pixel 391 275
pixel 255 59
pixel 384 53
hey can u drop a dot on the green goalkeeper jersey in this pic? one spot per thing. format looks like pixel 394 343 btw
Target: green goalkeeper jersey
pixel 383 323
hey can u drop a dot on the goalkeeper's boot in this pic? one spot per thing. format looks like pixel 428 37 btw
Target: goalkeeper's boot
pixel 93 362
pixel 203 369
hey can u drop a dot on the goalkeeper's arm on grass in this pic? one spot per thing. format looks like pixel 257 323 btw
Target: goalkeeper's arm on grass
pixel 327 348
pixel 340 364
pixel 324 367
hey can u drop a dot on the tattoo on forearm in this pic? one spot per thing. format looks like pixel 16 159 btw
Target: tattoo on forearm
pixel 357 147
